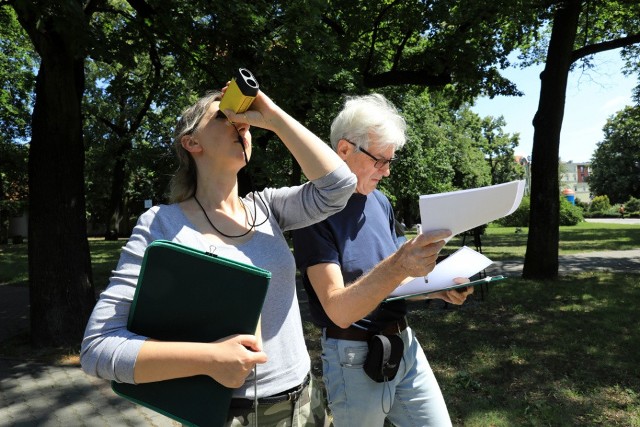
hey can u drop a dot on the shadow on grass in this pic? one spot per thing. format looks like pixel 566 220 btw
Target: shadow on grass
pixel 533 353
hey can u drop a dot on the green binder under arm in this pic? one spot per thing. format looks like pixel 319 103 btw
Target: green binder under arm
pixel 188 295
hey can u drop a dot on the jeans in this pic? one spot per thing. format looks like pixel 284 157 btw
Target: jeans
pixel 412 398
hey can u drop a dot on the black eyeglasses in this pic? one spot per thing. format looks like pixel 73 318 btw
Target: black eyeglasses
pixel 379 162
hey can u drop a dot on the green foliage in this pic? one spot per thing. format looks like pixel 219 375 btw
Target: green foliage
pixel 447 149
pixel 519 218
pixel 145 61
pixel 424 164
pixel 632 205
pixel 465 136
pixel 17 79
pixel 13 171
pixel 600 204
pixel 582 204
pixel 498 149
pixel 615 165
pixel 569 213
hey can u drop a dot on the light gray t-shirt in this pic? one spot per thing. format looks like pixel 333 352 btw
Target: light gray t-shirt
pixel 109 350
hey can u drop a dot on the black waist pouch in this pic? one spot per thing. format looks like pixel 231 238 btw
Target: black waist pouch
pixel 383 360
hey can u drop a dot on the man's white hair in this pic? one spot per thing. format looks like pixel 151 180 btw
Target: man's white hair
pixel 369 117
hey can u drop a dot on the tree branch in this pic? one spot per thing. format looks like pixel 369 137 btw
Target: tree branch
pixel 145 11
pixel 604 46
pixel 400 49
pixel 118 130
pixel 333 25
pixel 374 35
pixel 403 77
pixel 92 6
pixel 157 74
pixel 142 8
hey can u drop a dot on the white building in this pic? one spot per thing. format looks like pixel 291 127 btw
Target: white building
pixel 575 176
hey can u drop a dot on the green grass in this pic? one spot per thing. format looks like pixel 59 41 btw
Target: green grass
pixel 500 243
pixel 565 353
pixel 13 267
pixel 562 353
pixel 104 257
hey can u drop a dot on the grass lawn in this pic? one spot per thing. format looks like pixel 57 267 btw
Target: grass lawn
pixel 500 243
pixel 104 257
pixel 562 353
pixel 559 353
pixel 533 353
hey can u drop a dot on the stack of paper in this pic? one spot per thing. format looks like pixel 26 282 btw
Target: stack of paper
pixel 459 211
pixel 463 210
pixel 465 262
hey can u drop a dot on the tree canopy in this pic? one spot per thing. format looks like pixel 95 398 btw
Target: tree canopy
pixel 117 73
pixel 616 161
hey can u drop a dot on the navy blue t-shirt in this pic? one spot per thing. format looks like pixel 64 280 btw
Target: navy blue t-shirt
pixel 357 239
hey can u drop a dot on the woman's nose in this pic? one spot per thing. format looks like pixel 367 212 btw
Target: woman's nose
pixel 242 127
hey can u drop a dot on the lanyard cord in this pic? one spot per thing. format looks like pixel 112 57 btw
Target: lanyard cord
pixel 247 212
pixel 251 227
pixel 255 394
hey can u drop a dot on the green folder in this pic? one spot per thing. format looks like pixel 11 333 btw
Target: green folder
pixel 184 294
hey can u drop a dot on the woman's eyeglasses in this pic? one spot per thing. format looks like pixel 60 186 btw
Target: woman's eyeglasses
pixel 379 162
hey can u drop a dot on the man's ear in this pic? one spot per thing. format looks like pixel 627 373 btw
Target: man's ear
pixel 344 149
pixel 190 144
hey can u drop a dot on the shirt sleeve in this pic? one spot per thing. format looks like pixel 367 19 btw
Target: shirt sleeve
pixel 109 350
pixel 303 205
pixel 314 245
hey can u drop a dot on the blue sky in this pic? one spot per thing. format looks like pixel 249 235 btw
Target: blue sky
pixel 592 97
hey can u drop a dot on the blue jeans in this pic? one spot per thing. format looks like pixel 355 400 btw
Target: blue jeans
pixel 412 398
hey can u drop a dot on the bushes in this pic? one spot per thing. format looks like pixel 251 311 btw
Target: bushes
pixel 601 208
pixel 633 205
pixel 600 205
pixel 569 214
pixel 520 218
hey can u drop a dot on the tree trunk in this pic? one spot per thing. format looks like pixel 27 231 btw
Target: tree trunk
pixel 116 201
pixel 61 290
pixel 541 259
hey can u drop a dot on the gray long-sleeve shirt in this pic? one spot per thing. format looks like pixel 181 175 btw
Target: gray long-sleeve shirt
pixel 109 350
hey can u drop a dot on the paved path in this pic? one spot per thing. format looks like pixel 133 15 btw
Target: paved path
pixel 626 220
pixel 36 394
pixel 616 261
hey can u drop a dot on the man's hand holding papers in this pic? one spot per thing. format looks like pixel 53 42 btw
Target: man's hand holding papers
pixel 460 211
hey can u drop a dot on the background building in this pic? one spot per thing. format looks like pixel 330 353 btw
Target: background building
pixel 575 176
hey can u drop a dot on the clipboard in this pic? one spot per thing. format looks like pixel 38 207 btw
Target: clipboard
pixel 184 294
pixel 482 281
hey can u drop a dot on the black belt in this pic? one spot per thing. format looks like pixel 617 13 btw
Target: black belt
pixel 354 334
pixel 291 395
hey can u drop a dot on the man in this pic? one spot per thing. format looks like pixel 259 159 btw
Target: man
pixel 350 262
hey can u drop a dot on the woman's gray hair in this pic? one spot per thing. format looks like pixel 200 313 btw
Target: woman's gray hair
pixel 184 181
pixel 367 116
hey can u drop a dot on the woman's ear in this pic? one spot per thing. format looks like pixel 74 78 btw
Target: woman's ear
pixel 190 144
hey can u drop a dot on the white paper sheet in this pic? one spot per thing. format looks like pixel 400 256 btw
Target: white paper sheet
pixel 465 262
pixel 463 210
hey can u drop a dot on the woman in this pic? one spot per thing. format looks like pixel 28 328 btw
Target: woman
pixel 207 211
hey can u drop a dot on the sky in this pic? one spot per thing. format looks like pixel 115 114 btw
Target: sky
pixel 592 97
